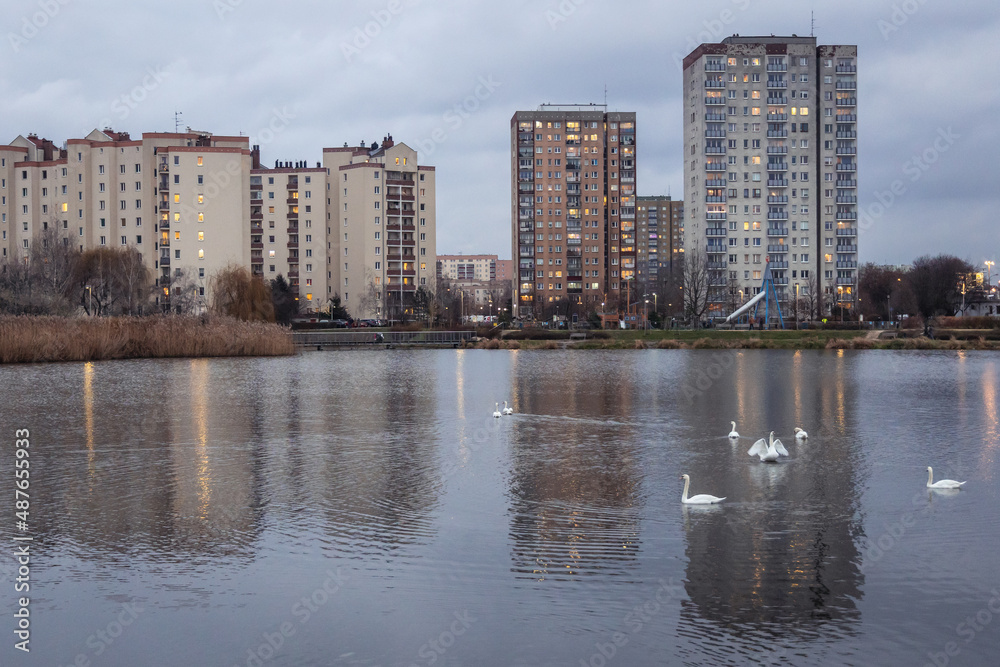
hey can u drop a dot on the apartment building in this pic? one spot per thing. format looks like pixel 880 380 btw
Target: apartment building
pixel 485 277
pixel 288 229
pixel 381 209
pixel 659 241
pixel 770 167
pixel 572 209
pixel 361 225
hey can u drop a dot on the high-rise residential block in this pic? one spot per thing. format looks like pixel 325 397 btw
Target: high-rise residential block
pixel 659 242
pixel 770 168
pixel 381 212
pixel 573 180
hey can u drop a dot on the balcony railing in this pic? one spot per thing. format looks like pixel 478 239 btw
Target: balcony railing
pixel 777 67
pixel 777 215
pixel 847 265
pixel 715 166
pixel 846 183
pixel 715 67
pixel 715 100
pixel 777 231
pixel 847 85
pixel 777 248
pixel 777 183
pixel 847 102
pixel 715 231
pixel 777 83
pixel 715 150
pixel 715 116
pixel 847 199
pixel 845 281
pixel 846 69
pixel 777 199
pixel 847 231
pixel 777 166
pixel 777 100
pixel 777 117
pixel 715 134
pixel 715 84
pixel 777 150
pixel 776 134
pixel 846 248
pixel 847 216
pixel 715 183
pixel 847 166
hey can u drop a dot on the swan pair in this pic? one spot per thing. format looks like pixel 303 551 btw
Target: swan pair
pixel 506 410
pixel 799 433
pixel 941 483
pixel 769 452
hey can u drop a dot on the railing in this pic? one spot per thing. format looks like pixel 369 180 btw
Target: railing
pixel 367 337
pixel 847 231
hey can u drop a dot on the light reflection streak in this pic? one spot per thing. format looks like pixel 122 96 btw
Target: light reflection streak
pixel 199 401
pixel 88 413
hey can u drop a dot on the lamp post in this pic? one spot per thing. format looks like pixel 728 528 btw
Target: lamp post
pixel 989 266
pixel 796 306
pixel 840 302
pixel 645 315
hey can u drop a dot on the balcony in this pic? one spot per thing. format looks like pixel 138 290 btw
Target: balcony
pixel 777 67
pixel 777 183
pixel 777 134
pixel 847 231
pixel 846 248
pixel 164 167
pixel 847 166
pixel 780 280
pixel 715 231
pixel 715 166
pixel 398 180
pixel 845 134
pixel 781 247
pixel 715 100
pixel 256 244
pixel 847 85
pixel 779 265
pixel 777 150
pixel 845 281
pixel 846 183
pixel 715 216
pixel 847 102
pixel 847 199
pixel 717 265
pixel 777 199
pixel 846 118
pixel 715 200
pixel 715 134
pixel 715 116
pixel 715 67
pixel 777 100
pixel 777 215
pixel 715 183
pixel 777 231
pixel 847 265
pixel 777 83
pixel 777 166
pixel 715 83
pixel 847 150
pixel 843 215
pixel 715 150
pixel 716 250
pixel 846 69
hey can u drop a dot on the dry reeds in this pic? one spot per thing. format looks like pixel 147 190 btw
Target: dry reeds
pixel 28 339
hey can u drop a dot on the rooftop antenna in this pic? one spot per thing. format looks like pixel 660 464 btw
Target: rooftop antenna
pixel 812 24
pixel 177 121
pixel 605 94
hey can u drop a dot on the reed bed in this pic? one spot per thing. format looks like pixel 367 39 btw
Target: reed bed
pixel 30 339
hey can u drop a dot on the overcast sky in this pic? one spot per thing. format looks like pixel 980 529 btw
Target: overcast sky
pixel 446 76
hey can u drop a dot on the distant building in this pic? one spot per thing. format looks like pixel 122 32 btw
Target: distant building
pixel 770 167
pixel 573 174
pixel 659 236
pixel 482 277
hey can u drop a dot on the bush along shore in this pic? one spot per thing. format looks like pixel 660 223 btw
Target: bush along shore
pixel 29 339
pixel 727 340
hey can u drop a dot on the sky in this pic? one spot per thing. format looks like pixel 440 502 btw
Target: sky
pixel 445 77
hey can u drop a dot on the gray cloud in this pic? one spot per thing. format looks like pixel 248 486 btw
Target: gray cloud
pixel 231 63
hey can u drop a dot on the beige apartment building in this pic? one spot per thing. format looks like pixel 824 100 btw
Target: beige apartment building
pixel 381 209
pixel 572 210
pixel 361 225
pixel 485 278
pixel 770 167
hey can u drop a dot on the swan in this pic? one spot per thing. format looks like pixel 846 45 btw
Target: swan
pixel 506 410
pixel 768 452
pixel 496 412
pixel 733 433
pixel 941 483
pixel 700 499
pixel 800 434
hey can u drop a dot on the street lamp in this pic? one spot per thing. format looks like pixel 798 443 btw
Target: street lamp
pixel 645 315
pixel 796 306
pixel 840 302
pixel 989 265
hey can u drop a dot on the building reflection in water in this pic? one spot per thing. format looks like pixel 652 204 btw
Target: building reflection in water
pixel 782 553
pixel 575 476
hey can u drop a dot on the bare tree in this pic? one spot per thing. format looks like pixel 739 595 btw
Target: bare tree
pixel 132 279
pixel 185 294
pixel 238 293
pixel 696 285
pixel 370 298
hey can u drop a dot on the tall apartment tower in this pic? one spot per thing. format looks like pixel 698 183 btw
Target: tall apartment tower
pixel 572 210
pixel 770 168
pixel 659 225
pixel 381 212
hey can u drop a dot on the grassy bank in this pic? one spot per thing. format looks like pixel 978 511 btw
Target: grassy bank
pixel 812 339
pixel 27 339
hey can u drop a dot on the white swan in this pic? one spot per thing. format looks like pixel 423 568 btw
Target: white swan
pixel 506 410
pixel 941 483
pixel 768 452
pixel 700 499
pixel 800 434
pixel 733 433
pixel 496 412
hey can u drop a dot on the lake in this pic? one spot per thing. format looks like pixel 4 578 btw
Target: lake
pixel 365 508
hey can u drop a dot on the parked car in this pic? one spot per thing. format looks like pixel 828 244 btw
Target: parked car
pixel 338 324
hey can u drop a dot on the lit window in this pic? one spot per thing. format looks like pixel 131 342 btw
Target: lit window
pixel 177 236
pixel 199 160
pixel 201 253
pixel 177 217
pixel 201 199
pixel 270 253
pixel 201 236
pixel 201 217
pixel 177 199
